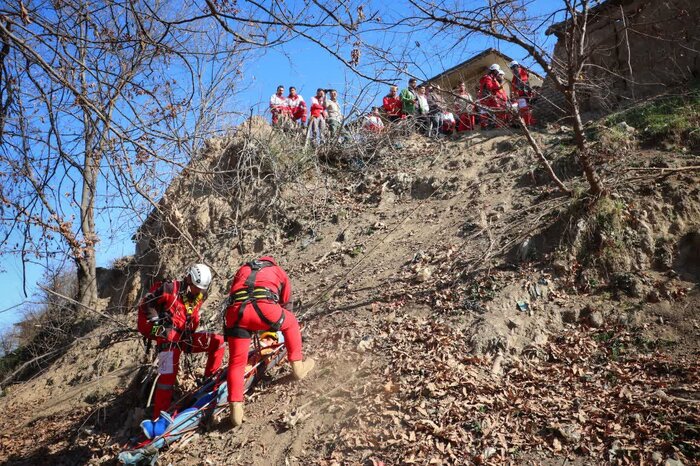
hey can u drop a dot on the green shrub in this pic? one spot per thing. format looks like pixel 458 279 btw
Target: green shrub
pixel 668 120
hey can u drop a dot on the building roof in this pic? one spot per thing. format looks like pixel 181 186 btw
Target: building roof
pixel 472 60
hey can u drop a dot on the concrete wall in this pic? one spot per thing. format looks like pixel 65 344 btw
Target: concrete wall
pixel 657 50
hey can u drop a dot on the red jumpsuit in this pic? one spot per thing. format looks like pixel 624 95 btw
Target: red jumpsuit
pixel 488 87
pixel 297 107
pixel 269 280
pixel 503 113
pixel 176 333
pixel 521 94
pixel 392 107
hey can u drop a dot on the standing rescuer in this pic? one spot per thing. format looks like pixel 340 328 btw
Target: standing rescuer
pixel 488 88
pixel 259 300
pixel 169 315
pixel 521 92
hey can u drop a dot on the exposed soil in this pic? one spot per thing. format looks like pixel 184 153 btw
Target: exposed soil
pixel 449 304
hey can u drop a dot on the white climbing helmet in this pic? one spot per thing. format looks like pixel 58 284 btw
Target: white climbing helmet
pixel 495 67
pixel 513 63
pixel 200 276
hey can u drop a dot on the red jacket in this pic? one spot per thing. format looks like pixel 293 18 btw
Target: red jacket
pixel 273 278
pixel 317 107
pixel 501 97
pixel 178 313
pixel 488 87
pixel 519 83
pixel 392 105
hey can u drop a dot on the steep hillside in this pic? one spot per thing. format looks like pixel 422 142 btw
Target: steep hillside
pixel 461 310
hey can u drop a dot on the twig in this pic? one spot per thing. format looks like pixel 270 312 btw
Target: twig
pixel 670 169
pixel 92 309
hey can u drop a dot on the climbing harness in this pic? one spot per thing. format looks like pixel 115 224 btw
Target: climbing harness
pixel 250 295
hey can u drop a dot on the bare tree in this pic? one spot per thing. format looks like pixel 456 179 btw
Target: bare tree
pixel 100 104
pixel 513 22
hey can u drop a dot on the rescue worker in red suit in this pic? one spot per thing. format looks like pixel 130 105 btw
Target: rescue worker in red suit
pixel 521 92
pixel 297 106
pixel 278 105
pixel 488 88
pixel 259 300
pixel 392 104
pixel 503 112
pixel 169 314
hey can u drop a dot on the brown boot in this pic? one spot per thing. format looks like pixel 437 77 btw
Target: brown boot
pixel 236 413
pixel 301 368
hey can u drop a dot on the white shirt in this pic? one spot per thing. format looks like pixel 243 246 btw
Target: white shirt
pixel 333 110
pixel 294 103
pixel 423 104
pixel 373 122
pixel 277 101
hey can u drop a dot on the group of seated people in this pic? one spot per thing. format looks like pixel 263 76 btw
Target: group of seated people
pixel 436 111
pixel 324 111
pixel 432 110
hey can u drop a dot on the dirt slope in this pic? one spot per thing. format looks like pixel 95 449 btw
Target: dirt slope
pixel 460 311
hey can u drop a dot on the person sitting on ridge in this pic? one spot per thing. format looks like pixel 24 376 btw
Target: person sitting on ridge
pixel 259 300
pixel 373 121
pixel 297 106
pixel 278 105
pixel 169 314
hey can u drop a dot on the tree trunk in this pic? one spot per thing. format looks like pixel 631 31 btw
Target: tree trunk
pixel 87 280
pixel 85 259
pixel 594 182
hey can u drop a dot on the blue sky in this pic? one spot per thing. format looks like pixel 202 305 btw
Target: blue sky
pixel 300 63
